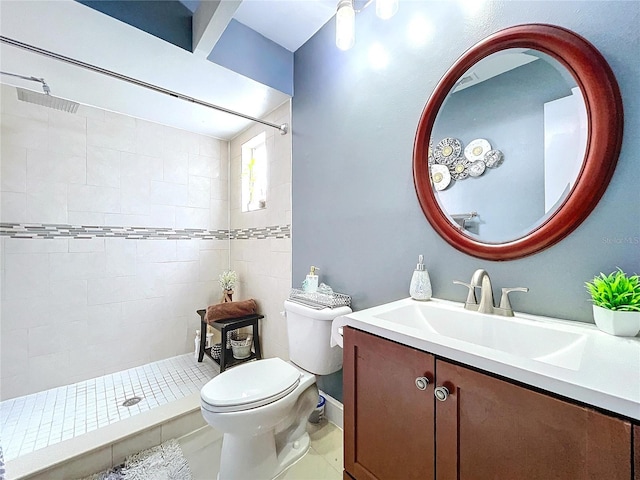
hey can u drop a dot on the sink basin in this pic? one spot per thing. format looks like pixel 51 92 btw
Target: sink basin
pixel 522 337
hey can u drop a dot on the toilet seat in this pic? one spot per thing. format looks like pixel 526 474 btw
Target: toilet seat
pixel 250 386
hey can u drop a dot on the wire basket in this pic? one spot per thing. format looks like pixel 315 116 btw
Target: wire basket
pixel 319 300
pixel 241 345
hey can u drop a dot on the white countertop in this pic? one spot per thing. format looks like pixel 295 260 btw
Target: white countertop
pixel 600 369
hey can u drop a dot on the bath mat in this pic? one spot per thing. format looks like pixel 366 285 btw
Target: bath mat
pixel 164 462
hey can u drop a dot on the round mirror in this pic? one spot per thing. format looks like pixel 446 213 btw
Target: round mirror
pixel 518 142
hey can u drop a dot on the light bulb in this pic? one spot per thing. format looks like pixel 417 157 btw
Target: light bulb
pixel 345 25
pixel 385 9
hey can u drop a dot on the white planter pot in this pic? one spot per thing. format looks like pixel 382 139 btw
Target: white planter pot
pixel 619 323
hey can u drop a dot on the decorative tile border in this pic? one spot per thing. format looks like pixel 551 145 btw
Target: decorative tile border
pixel 47 231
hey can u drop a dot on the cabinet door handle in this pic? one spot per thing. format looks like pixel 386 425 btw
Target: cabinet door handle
pixel 422 383
pixel 441 393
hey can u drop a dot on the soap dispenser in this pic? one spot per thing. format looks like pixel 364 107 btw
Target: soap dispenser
pixel 310 284
pixel 420 288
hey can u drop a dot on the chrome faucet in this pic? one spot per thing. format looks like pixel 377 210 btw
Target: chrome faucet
pixel 481 279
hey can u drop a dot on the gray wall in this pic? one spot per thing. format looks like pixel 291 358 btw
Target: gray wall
pixel 355 211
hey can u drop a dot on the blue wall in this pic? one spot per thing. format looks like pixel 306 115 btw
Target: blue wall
pixel 355 211
pixel 248 53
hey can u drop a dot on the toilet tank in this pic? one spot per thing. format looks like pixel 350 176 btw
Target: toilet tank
pixel 309 332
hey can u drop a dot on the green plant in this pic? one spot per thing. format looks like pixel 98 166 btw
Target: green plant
pixel 615 291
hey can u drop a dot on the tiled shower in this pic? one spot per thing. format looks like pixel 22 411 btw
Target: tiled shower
pixel 113 233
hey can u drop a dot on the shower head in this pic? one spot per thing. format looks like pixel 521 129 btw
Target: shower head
pixel 44 99
pixel 47 100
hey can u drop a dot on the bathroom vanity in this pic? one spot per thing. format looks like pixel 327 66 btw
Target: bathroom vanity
pixel 503 403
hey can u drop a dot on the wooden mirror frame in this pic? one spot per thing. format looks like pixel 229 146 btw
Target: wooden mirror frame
pixel 604 138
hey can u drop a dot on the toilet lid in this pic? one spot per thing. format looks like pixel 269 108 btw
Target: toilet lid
pixel 252 383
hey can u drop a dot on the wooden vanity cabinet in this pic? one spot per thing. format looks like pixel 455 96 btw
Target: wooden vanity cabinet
pixel 487 428
pixel 388 421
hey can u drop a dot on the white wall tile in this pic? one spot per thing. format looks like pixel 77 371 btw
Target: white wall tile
pixel 13 207
pixel 125 220
pixel 135 196
pixel 69 291
pixel 103 166
pixel 80 265
pixel 202 166
pixel 15 351
pixel 104 323
pixel 47 204
pixel 67 133
pixel 142 167
pixel 121 257
pixel 188 217
pixel 86 245
pixel 113 290
pixel 181 272
pixel 163 215
pixel 209 147
pixel 90 198
pixel 175 140
pixel 176 167
pixel 100 295
pixel 47 371
pixel 26 275
pixel 156 251
pixel 27 132
pixel 64 337
pixel 110 133
pixel 13 168
pixel 199 192
pixel 86 218
pixel 45 167
pixel 187 250
pixel 52 245
pixel 219 189
pixel 164 193
pixel 145 310
pixel 149 138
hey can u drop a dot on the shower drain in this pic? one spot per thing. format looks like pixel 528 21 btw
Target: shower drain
pixel 130 402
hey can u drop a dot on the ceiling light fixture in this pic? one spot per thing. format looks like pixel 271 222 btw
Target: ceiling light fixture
pixel 345 25
pixel 346 19
pixel 385 9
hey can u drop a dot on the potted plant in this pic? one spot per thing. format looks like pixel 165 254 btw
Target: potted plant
pixel 227 280
pixel 616 303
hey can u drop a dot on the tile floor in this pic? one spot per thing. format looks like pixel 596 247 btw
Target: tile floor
pixel 42 419
pixel 323 461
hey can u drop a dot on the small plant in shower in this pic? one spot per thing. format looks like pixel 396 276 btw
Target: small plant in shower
pixel 227 281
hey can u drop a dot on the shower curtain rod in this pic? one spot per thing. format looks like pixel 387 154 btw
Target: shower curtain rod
pixel 284 128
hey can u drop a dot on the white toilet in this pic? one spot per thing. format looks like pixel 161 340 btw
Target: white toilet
pixel 262 407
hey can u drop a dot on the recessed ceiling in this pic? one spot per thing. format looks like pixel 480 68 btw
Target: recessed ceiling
pixel 289 23
pixel 71 29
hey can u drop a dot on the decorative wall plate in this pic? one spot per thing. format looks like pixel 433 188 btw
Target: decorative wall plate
pixel 493 158
pixel 440 177
pixel 459 169
pixel 477 168
pixel 447 150
pixel 477 149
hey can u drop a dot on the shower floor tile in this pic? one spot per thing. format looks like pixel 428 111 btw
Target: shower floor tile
pixel 41 419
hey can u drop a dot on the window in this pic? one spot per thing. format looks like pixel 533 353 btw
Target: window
pixel 254 174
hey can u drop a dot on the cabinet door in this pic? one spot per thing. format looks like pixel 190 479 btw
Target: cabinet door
pixel 388 421
pixel 636 450
pixel 491 429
